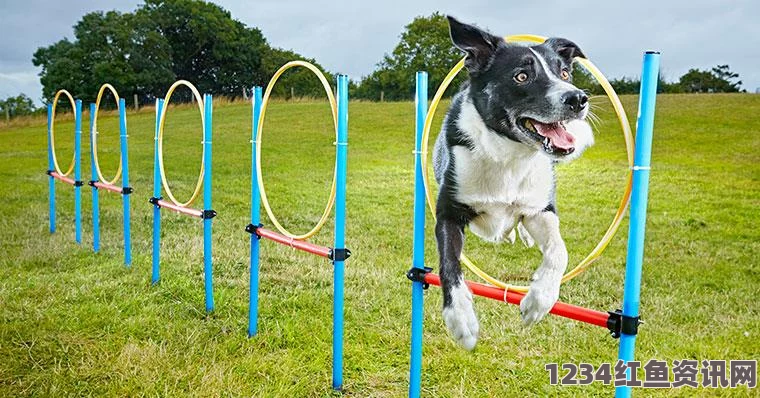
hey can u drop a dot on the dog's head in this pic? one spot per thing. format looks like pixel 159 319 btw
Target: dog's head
pixel 526 93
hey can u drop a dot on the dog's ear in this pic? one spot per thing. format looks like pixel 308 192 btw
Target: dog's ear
pixel 565 48
pixel 479 45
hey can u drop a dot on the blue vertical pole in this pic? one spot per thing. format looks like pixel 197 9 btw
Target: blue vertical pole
pixel 208 281
pixel 94 177
pixel 641 160
pixel 125 181
pixel 418 251
pixel 253 296
pixel 51 168
pixel 340 231
pixel 155 275
pixel 78 171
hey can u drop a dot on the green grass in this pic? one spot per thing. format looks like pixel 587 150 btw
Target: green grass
pixel 77 323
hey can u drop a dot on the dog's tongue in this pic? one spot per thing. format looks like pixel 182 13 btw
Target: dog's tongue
pixel 559 137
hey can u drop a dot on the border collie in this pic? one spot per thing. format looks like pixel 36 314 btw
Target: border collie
pixel 516 116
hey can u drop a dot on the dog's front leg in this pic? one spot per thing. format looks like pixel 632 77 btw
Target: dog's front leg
pixel 458 313
pixel 544 289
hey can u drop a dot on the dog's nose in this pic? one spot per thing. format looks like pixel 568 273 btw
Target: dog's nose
pixel 576 100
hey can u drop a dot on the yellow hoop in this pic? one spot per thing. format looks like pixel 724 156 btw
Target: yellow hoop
pixel 622 118
pixel 259 134
pixel 95 133
pixel 52 133
pixel 164 182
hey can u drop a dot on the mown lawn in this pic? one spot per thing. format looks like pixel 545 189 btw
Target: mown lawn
pixel 77 323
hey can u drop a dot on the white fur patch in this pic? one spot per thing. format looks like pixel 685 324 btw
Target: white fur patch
pixel 460 317
pixel 544 290
pixel 558 86
pixel 501 179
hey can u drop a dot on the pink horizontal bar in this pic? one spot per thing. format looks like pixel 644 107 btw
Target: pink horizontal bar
pixel 180 209
pixel 67 180
pixel 294 243
pixel 108 187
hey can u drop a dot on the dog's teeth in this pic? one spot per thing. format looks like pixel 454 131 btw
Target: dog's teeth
pixel 548 144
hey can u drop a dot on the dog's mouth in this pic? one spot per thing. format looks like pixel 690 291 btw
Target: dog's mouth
pixel 554 137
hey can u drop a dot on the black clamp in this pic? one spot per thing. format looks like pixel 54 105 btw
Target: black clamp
pixel 208 214
pixel 339 254
pixel 251 229
pixel 49 172
pixel 618 324
pixel 92 183
pixel 154 201
pixel 78 183
pixel 418 275
pixel 126 190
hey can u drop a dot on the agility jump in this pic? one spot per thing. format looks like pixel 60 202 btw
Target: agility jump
pixel 204 182
pixel 99 182
pixel 621 324
pixel 54 170
pixel 338 253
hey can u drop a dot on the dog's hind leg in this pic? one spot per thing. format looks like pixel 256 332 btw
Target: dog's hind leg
pixel 544 289
pixel 458 312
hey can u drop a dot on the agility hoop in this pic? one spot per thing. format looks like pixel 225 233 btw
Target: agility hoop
pixel 52 133
pixel 162 119
pixel 259 134
pixel 626 129
pixel 95 133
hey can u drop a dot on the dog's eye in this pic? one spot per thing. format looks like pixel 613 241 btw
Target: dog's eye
pixel 565 74
pixel 521 77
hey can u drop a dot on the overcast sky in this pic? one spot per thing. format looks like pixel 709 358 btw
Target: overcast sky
pixel 352 36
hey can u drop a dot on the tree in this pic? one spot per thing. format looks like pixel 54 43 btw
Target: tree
pixel 19 105
pixel 144 52
pixel 218 53
pixel 302 82
pixel 424 46
pixel 717 80
pixel 724 78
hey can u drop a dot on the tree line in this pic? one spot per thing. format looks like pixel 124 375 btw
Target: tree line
pixel 145 51
pixel 424 45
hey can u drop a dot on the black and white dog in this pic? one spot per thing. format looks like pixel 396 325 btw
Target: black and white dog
pixel 517 116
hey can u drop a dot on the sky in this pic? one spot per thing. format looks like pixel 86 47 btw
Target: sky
pixel 352 36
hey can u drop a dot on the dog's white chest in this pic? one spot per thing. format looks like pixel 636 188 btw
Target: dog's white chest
pixel 523 184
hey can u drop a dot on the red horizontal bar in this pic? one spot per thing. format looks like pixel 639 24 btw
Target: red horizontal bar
pixel 294 243
pixel 570 311
pixel 67 180
pixel 180 209
pixel 108 187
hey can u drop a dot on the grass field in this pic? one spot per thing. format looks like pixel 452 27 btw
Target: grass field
pixel 77 323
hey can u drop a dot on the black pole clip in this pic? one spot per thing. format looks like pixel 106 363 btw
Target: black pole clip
pixel 208 214
pixel 78 183
pixel 251 229
pixel 49 172
pixel 154 201
pixel 92 183
pixel 339 254
pixel 418 275
pixel 126 190
pixel 618 324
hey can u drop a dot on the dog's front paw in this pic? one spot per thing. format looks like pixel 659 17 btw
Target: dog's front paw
pixel 539 300
pixel 460 319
